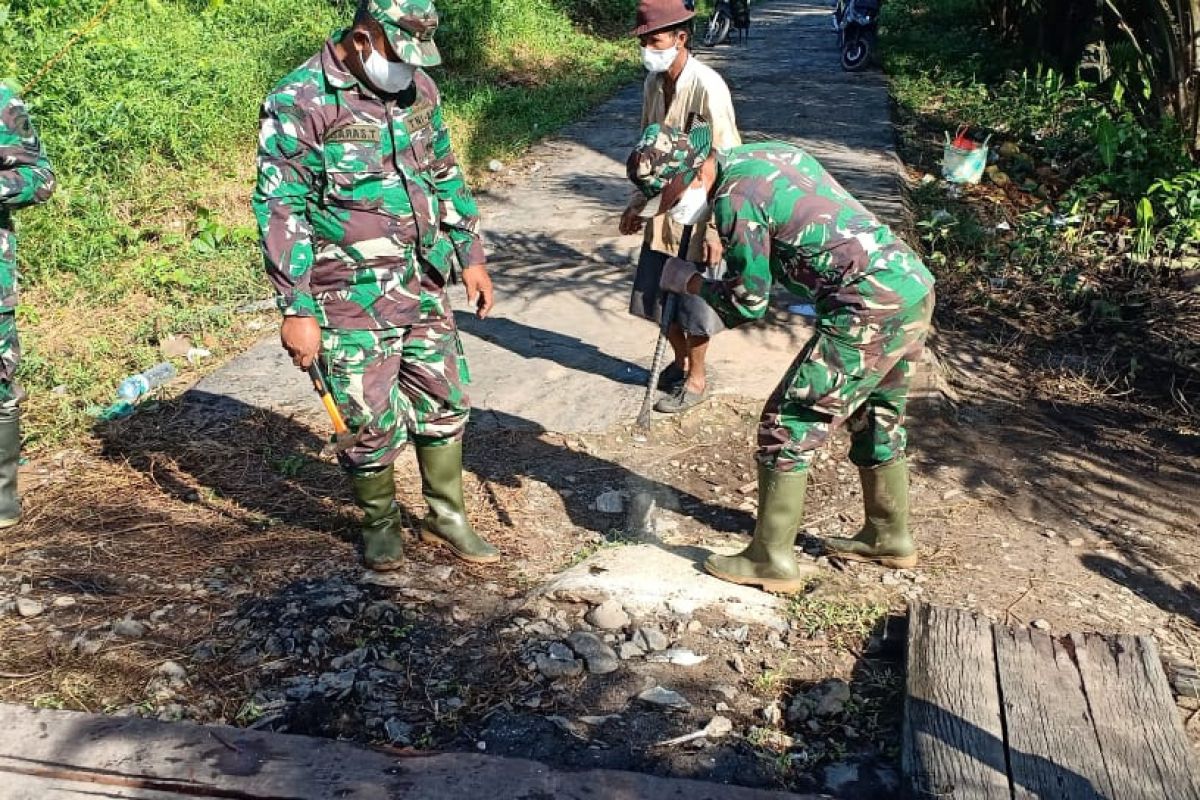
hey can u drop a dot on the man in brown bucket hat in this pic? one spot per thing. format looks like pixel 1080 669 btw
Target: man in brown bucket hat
pixel 677 87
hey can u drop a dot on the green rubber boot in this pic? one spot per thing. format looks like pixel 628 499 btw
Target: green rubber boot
pixel 446 523
pixel 383 539
pixel 884 538
pixel 10 457
pixel 770 560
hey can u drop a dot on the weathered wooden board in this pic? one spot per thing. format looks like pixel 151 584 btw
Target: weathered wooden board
pixel 24 787
pixel 1052 746
pixel 953 742
pixel 1146 751
pixel 71 756
pixel 993 712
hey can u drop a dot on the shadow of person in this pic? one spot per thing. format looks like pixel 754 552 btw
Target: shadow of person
pixel 209 449
pixel 512 449
pixel 567 351
pixel 262 468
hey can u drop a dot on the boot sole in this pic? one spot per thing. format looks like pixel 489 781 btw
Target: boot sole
pixel 389 566
pixel 8 523
pixel 891 562
pixel 430 538
pixel 772 585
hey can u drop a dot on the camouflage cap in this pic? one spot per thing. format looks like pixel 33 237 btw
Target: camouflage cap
pixel 409 26
pixel 665 152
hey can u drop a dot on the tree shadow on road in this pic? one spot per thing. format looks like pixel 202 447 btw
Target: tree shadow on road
pixel 1101 475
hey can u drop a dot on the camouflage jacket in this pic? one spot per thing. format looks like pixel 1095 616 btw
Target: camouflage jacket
pixel 358 196
pixel 782 217
pixel 25 179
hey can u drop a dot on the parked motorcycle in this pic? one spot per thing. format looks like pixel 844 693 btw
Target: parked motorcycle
pixel 727 15
pixel 857 26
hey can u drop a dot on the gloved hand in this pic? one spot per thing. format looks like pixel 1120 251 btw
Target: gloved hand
pixel 676 274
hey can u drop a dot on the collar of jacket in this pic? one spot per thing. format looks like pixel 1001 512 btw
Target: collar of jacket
pixel 337 74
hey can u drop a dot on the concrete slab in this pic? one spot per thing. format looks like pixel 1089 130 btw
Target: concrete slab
pixel 651 580
pixel 561 352
pixel 73 756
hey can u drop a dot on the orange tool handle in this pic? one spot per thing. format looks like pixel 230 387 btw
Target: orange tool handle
pixel 322 386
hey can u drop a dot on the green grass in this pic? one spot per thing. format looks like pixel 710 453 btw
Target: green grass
pixel 151 121
pixel 840 621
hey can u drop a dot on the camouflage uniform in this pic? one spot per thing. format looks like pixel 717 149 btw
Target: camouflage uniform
pixel 783 218
pixel 365 217
pixel 26 179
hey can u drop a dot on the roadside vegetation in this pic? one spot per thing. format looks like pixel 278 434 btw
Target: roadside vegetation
pixel 1079 248
pixel 151 117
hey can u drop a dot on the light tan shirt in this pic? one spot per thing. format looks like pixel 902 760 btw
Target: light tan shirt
pixel 700 90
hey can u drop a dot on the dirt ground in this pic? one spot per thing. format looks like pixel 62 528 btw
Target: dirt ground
pixel 197 562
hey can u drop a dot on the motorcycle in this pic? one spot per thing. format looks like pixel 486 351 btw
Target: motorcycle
pixel 727 15
pixel 857 26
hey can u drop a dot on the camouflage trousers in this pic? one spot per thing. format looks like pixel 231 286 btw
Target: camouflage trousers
pixel 854 371
pixel 11 393
pixel 399 383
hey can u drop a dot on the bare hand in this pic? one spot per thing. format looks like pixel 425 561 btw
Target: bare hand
pixel 301 337
pixel 631 222
pixel 714 251
pixel 479 289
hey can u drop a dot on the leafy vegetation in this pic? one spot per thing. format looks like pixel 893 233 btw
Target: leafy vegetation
pixel 1089 195
pixel 1150 44
pixel 151 118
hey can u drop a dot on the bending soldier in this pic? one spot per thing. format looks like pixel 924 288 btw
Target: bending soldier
pixel 783 219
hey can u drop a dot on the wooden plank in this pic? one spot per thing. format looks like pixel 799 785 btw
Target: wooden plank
pixel 1145 749
pixel 953 740
pixel 1052 746
pixel 24 787
pixel 93 756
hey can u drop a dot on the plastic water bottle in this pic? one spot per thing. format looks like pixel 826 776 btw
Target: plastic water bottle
pixel 135 386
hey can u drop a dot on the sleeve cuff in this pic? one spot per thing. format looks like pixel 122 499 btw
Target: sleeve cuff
pixel 711 292
pixel 469 251
pixel 301 304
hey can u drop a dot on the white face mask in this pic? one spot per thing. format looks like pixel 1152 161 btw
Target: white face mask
pixel 691 207
pixel 658 60
pixel 388 76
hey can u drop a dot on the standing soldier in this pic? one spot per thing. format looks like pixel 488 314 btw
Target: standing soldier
pixel 365 217
pixel 25 179
pixel 783 218
pixel 677 86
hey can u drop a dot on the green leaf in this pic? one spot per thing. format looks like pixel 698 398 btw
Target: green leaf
pixel 1145 212
pixel 1107 141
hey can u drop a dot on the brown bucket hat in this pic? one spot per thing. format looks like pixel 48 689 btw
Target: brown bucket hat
pixel 654 15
